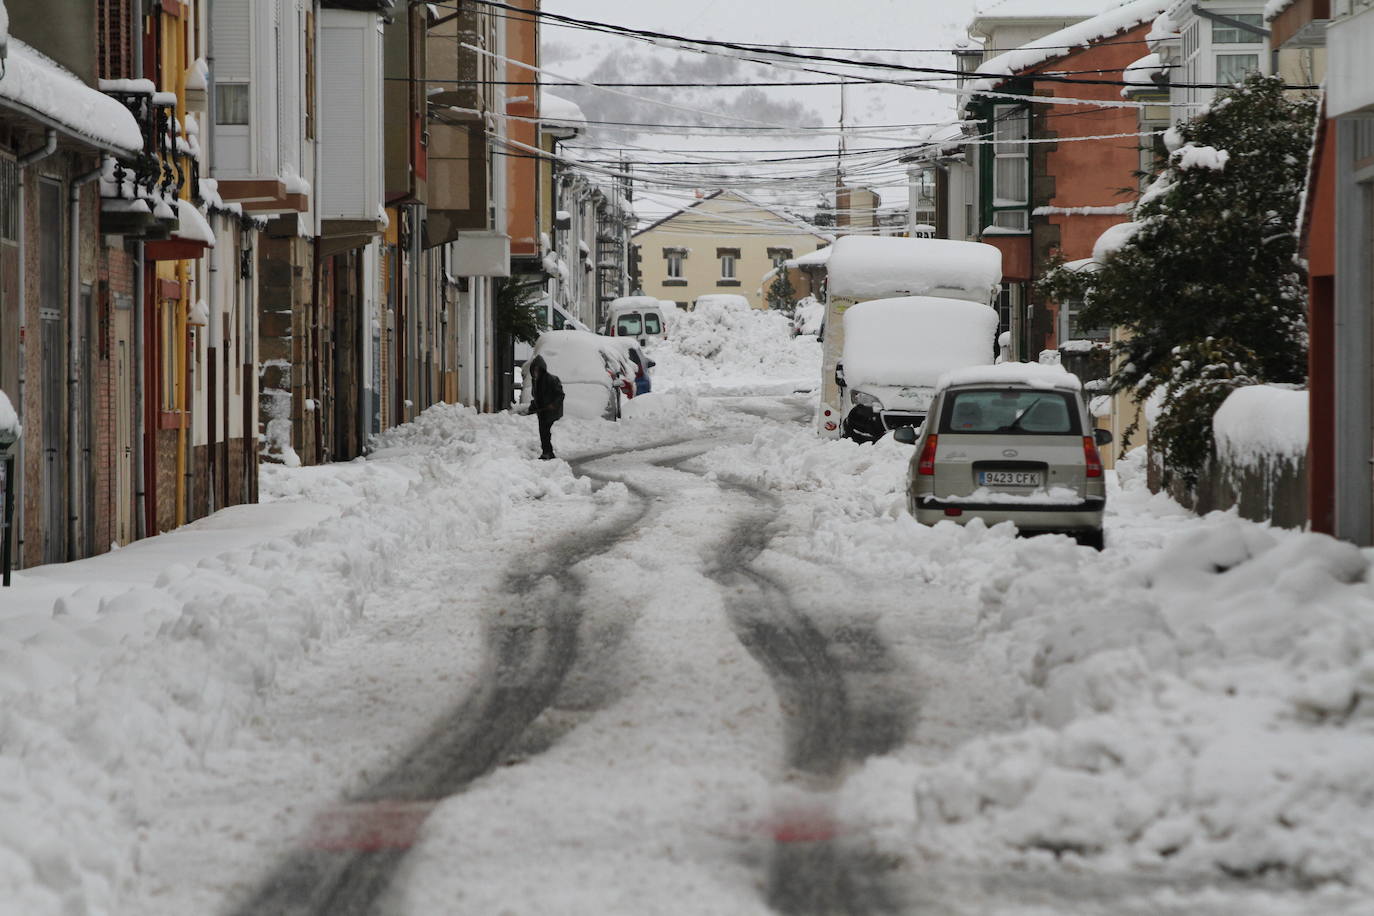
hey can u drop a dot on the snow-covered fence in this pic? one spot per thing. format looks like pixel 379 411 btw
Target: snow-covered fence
pixel 1260 466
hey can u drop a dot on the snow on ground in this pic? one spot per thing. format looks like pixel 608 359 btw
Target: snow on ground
pixel 1194 702
pixel 720 348
pixel 1191 704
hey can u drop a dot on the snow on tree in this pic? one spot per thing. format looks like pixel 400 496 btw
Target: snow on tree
pixel 1206 286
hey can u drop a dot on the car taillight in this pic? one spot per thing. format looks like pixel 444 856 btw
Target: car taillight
pixel 1091 457
pixel 926 466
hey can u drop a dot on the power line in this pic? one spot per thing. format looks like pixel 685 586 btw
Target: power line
pixel 659 37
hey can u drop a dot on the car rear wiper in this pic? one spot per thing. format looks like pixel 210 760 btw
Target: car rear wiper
pixel 1016 420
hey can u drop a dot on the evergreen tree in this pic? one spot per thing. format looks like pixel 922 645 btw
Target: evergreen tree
pixel 781 295
pixel 1207 288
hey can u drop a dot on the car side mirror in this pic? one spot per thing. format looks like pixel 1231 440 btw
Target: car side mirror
pixel 652 364
pixel 1102 436
pixel 906 434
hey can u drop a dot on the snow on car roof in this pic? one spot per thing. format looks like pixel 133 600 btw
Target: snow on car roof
pixel 634 302
pixel 915 340
pixel 1032 375
pixel 578 356
pixel 881 268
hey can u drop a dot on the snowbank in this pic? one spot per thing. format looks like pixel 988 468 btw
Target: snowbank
pixel 723 347
pixel 721 301
pixel 878 268
pixel 915 340
pixel 120 671
pixel 1261 421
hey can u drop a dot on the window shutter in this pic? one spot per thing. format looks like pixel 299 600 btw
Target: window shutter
pixel 233 45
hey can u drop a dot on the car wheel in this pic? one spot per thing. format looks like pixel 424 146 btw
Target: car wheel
pixel 1093 539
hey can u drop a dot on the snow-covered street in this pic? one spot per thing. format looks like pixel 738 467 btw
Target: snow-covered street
pixel 708 664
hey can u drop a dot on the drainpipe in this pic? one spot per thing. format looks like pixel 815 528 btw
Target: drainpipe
pixel 30 158
pixel 74 356
pixel 139 474
pixel 217 345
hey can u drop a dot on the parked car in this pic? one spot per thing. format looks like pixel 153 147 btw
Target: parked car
pixel 595 372
pixel 642 364
pixel 638 317
pixel 1012 442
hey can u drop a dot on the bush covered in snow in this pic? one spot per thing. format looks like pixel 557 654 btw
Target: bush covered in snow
pixel 1206 281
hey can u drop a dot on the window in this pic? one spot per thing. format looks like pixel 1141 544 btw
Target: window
pixel 628 325
pixel 675 257
pixel 9 199
pixel 1232 68
pixel 231 103
pixel 1224 33
pixel 727 266
pixel 1011 167
pixel 779 256
pixel 1011 412
pixel 651 323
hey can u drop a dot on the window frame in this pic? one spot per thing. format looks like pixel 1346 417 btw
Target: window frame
pixel 1014 216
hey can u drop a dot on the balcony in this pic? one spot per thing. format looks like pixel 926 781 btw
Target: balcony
pixel 138 194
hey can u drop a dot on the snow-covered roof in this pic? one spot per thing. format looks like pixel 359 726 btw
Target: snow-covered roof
pixel 814 259
pixel 864 267
pixel 1036 375
pixel 743 198
pixel 1041 9
pixel 39 86
pixel 1143 70
pixel 1063 42
pixel 1162 29
pixel 914 340
pixel 1274 7
pixel 554 109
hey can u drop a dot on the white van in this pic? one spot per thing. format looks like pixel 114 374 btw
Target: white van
pixel 862 268
pixel 895 352
pixel 640 317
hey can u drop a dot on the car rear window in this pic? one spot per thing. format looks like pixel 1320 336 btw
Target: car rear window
pixel 1011 412
pixel 627 325
pixel 651 324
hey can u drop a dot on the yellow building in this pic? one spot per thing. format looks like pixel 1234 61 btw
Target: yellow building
pixel 726 242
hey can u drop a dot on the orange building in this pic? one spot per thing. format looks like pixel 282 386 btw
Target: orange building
pixel 1038 199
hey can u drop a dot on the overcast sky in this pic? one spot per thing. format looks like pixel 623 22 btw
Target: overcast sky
pixel 877 24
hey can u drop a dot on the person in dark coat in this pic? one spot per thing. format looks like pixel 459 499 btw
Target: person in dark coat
pixel 546 402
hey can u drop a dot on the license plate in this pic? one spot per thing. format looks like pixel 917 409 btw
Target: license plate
pixel 1009 478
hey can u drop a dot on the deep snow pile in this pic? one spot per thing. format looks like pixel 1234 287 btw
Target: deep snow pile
pixel 1198 700
pixel 119 671
pixel 725 348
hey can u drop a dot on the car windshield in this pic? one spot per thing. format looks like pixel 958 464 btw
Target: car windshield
pixel 628 325
pixel 651 324
pixel 1016 411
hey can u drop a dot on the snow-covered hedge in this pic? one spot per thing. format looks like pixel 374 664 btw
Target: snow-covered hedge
pixel 1261 421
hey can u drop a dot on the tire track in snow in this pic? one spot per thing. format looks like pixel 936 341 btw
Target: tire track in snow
pixel 358 846
pixel 829 723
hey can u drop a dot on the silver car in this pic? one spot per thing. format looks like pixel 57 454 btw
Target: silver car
pixel 1003 448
